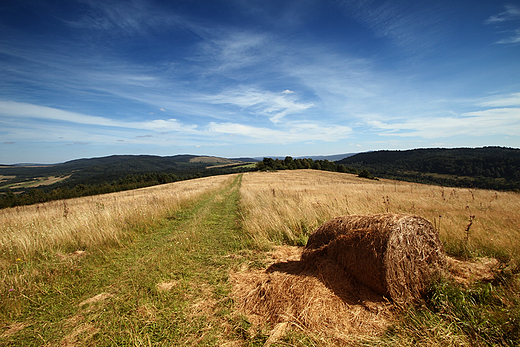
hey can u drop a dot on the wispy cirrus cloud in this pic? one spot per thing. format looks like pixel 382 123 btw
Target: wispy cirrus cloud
pixel 163 73
pixel 96 128
pixel 511 14
pixel 289 133
pixel 135 17
pixel 275 106
pixel 25 110
pixel 395 20
pixel 514 38
pixel 494 121
pixel 500 100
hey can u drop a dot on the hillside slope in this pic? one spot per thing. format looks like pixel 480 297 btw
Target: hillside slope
pixel 103 169
pixel 488 167
pixel 22 185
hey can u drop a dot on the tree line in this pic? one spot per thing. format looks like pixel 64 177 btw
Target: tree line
pixel 270 164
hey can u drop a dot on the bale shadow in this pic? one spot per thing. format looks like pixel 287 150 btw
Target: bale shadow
pixel 334 278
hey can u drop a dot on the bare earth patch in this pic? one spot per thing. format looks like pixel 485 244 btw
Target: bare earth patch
pixel 79 335
pixel 73 255
pixel 166 286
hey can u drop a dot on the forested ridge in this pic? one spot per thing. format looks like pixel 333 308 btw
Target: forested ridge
pixel 488 167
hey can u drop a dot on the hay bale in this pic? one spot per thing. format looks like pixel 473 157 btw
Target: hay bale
pixel 396 255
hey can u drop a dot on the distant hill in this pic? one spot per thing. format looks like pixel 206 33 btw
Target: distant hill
pixel 111 168
pixel 487 167
pixel 334 157
pixel 246 159
pixel 212 160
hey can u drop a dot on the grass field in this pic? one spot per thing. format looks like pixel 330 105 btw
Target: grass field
pixel 154 266
pixel 37 182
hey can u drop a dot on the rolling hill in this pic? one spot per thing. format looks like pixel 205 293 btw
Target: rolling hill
pixel 487 167
pixel 92 176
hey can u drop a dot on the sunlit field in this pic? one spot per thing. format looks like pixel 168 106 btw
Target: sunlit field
pixel 78 224
pixel 160 265
pixel 285 206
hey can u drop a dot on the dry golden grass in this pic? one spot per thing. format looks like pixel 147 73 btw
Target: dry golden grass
pixel 276 207
pixel 41 181
pixel 68 225
pixel 286 206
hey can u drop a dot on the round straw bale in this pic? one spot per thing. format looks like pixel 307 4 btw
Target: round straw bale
pixel 396 255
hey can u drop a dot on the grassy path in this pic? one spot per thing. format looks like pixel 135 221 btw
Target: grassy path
pixel 166 287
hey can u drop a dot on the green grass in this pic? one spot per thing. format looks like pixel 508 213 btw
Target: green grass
pixel 190 250
pixel 483 314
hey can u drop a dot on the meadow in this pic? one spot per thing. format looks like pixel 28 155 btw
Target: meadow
pixel 285 206
pixel 154 266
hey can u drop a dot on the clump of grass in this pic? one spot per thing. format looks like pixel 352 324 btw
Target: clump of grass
pixel 487 314
pixel 483 314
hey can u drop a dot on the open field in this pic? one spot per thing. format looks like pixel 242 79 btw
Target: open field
pixel 170 265
pixel 284 206
pixel 37 182
pixel 29 231
pixel 5 178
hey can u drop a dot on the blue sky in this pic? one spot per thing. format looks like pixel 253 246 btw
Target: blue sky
pixel 255 78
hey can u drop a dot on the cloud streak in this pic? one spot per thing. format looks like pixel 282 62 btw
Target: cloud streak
pixel 291 133
pixel 489 122
pixel 511 14
pixel 275 106
pixel 287 133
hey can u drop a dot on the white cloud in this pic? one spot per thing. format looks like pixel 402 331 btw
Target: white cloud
pixel 512 12
pixel 290 133
pixel 104 130
pixel 163 125
pixel 415 29
pixel 501 101
pixel 264 103
pixel 287 91
pixel 126 17
pixel 504 121
pixel 515 38
pixel 18 109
